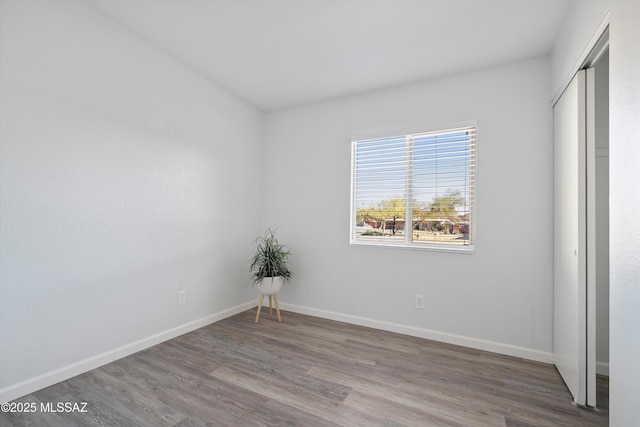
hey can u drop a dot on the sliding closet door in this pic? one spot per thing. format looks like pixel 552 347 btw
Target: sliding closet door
pixel 571 334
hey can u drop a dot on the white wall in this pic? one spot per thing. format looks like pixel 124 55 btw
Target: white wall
pixel 582 24
pixel 125 177
pixel 501 294
pixel 624 158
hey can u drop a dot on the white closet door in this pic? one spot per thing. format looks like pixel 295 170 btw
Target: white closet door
pixel 571 334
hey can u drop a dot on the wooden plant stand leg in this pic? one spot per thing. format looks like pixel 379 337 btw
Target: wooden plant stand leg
pixel 275 297
pixel 270 308
pixel 259 307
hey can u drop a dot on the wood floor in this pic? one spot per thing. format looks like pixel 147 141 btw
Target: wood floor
pixel 308 371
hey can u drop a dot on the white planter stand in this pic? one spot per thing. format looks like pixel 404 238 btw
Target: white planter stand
pixel 270 286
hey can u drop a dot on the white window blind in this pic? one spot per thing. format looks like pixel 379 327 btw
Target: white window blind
pixel 415 190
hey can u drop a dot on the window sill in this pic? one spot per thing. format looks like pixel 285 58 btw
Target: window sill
pixel 420 247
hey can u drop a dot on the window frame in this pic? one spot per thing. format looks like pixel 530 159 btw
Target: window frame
pixel 407 241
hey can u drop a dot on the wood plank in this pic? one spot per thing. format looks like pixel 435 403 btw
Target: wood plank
pixel 313 372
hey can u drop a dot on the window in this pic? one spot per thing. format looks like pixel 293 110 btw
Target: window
pixel 415 190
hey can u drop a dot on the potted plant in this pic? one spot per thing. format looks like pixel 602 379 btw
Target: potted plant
pixel 269 269
pixel 270 261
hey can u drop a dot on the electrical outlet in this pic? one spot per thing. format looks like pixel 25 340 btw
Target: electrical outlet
pixel 182 297
pixel 420 302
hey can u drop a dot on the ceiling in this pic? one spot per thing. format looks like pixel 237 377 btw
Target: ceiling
pixel 282 53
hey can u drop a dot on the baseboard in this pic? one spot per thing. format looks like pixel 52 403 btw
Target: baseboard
pixel 37 383
pixel 492 346
pixel 602 368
